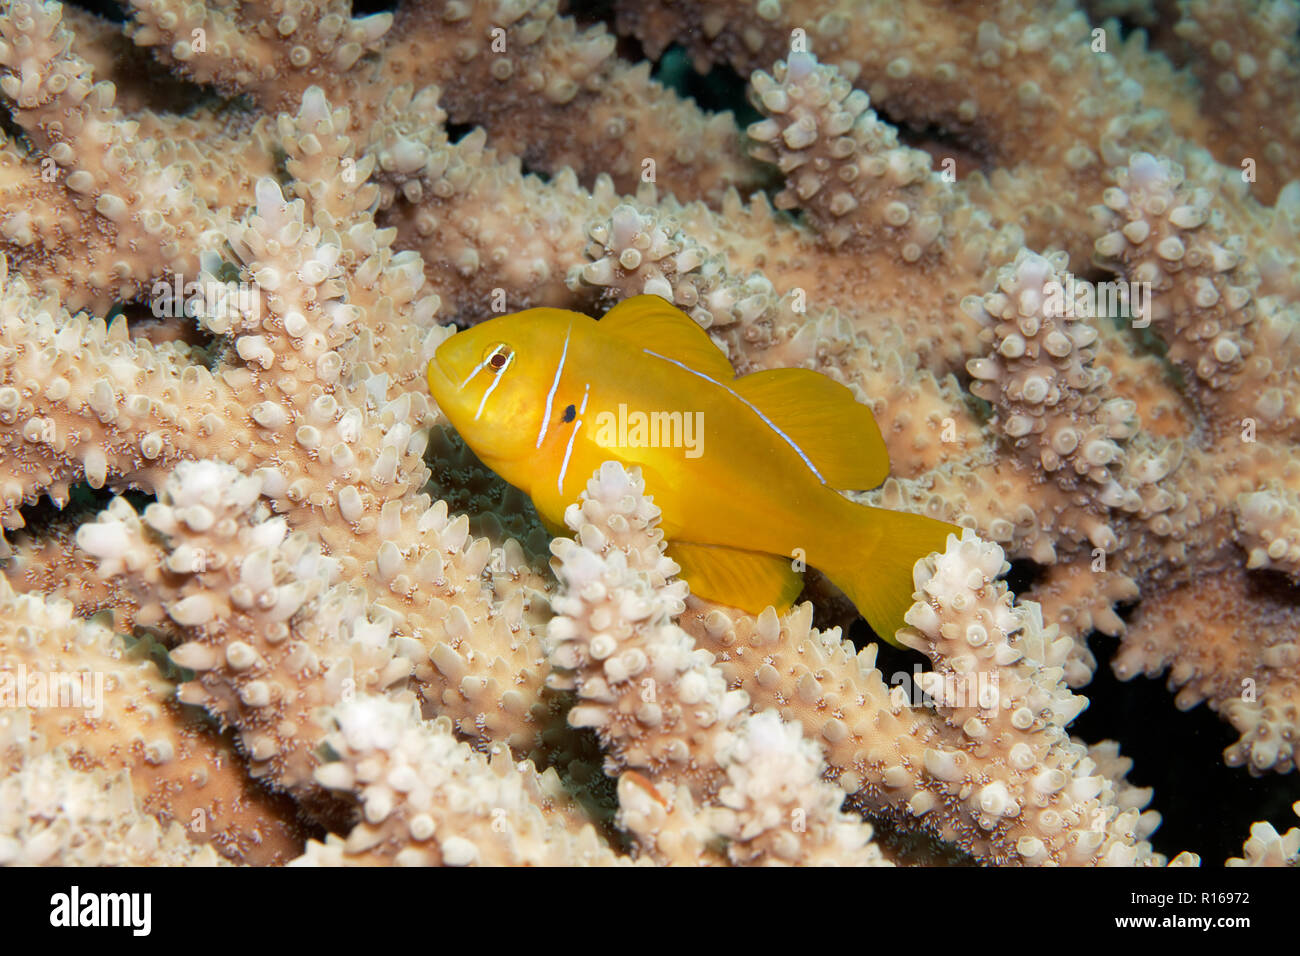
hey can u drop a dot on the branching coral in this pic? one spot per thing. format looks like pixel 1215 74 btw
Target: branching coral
pixel 661 705
pixel 1032 246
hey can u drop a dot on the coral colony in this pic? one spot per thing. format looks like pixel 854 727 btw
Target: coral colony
pixel 234 234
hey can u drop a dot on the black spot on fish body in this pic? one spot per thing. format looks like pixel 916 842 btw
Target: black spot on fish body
pixel 570 413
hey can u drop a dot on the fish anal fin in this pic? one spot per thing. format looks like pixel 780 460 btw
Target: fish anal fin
pixel 749 580
pixel 653 323
pixel 837 433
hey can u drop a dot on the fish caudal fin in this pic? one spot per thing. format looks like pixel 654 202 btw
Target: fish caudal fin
pixel 876 569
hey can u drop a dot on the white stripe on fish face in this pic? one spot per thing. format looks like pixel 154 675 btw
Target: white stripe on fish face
pixel 766 421
pixel 568 449
pixel 481 365
pixel 555 384
pixel 496 380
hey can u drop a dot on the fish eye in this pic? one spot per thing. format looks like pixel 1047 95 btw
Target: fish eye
pixel 498 356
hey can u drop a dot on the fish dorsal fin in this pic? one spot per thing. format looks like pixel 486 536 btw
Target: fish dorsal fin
pixel 835 432
pixel 749 580
pixel 650 322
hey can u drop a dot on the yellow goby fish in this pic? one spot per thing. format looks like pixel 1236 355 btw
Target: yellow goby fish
pixel 745 469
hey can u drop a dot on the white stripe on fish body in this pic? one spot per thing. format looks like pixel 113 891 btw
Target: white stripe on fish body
pixel 555 384
pixel 568 449
pixel 753 408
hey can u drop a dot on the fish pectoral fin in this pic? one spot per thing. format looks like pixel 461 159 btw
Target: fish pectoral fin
pixel 836 432
pixel 647 321
pixel 749 580
pixel 550 505
pixel 560 530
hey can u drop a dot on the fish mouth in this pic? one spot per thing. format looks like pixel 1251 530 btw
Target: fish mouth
pixel 440 384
